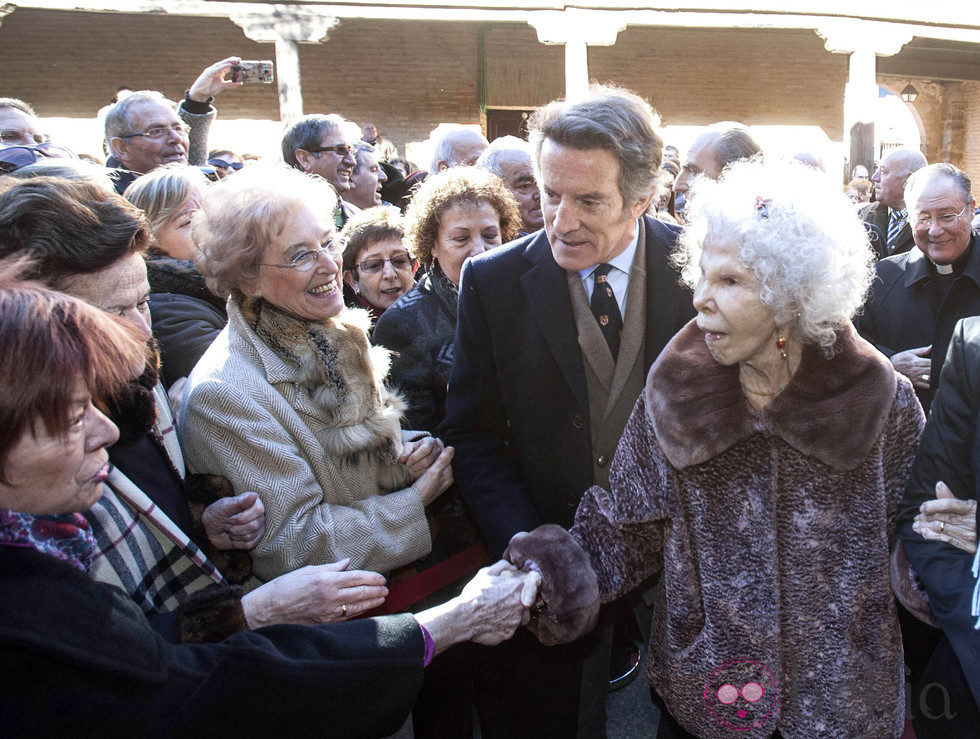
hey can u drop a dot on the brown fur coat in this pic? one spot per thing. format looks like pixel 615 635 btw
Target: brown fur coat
pixel 773 530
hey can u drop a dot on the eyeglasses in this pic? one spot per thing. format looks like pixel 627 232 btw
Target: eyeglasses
pixel 341 150
pixel 401 262
pixel 946 220
pixel 21 138
pixel 15 157
pixel 751 692
pixel 155 133
pixel 225 165
pixel 305 260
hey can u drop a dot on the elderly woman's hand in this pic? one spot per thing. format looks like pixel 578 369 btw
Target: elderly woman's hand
pixel 500 597
pixel 419 455
pixel 235 523
pixel 437 478
pixel 948 519
pixel 488 611
pixel 314 594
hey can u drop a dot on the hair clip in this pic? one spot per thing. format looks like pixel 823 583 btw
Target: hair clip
pixel 762 205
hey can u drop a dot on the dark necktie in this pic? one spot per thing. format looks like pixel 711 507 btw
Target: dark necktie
pixel 606 309
pixel 895 224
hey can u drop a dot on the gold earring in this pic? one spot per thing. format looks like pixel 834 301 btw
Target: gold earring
pixel 781 342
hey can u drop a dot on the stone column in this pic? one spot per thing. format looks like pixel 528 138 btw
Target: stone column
pixel 577 29
pixel 286 27
pixel 865 42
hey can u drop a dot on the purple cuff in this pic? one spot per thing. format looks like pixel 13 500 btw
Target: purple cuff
pixel 430 646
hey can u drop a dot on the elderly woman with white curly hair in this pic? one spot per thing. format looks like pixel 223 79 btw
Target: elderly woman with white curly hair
pixel 761 470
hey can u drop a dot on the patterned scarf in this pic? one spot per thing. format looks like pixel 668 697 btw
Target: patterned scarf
pixel 65 536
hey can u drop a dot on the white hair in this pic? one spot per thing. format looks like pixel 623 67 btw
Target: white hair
pixel 442 149
pixel 800 237
pixel 499 148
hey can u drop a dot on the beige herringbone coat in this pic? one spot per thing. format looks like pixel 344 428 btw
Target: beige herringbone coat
pixel 247 415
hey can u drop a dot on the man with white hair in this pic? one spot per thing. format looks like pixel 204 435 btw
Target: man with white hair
pixel 712 151
pixel 509 158
pixel 457 146
pixel 920 294
pixel 889 213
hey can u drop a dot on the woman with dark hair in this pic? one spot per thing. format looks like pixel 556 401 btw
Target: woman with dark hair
pixel 78 652
pixel 377 266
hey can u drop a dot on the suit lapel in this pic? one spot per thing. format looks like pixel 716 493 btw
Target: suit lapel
pixel 595 350
pixel 546 287
pixel 633 321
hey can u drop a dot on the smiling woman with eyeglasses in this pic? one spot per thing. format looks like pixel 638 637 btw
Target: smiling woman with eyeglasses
pixel 289 400
pixel 377 267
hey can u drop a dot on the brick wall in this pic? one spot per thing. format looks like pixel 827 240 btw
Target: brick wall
pixel 695 76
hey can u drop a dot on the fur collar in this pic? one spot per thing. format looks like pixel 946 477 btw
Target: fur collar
pixel 832 409
pixel 342 374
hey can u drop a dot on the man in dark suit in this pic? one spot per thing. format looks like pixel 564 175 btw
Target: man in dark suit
pixel 918 296
pixel 949 454
pixel 554 338
pixel 889 213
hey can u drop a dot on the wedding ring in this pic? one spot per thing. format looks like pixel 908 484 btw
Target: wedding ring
pixel 343 611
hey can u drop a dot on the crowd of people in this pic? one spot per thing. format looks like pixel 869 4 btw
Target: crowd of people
pixel 336 441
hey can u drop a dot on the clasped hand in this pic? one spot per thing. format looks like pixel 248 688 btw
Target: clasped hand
pixel 948 519
pixel 498 600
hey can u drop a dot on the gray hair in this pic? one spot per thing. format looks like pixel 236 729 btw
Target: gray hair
pixel 360 149
pixel 307 133
pixel 442 148
pixel 911 160
pixel 17 104
pixel 612 119
pixel 799 235
pixel 118 121
pixel 492 156
pixel 924 175
pixel 734 143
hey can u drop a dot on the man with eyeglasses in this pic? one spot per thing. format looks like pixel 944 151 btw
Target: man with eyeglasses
pixel 322 145
pixel 919 295
pixel 146 130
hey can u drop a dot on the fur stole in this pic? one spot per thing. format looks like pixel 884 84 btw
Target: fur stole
pixel 832 409
pixel 343 375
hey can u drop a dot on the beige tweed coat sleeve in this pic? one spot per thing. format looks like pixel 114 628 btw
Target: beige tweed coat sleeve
pixel 319 507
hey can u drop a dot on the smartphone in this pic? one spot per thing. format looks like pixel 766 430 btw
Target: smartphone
pixel 252 71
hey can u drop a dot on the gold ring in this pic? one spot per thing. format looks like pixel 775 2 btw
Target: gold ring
pixel 343 611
